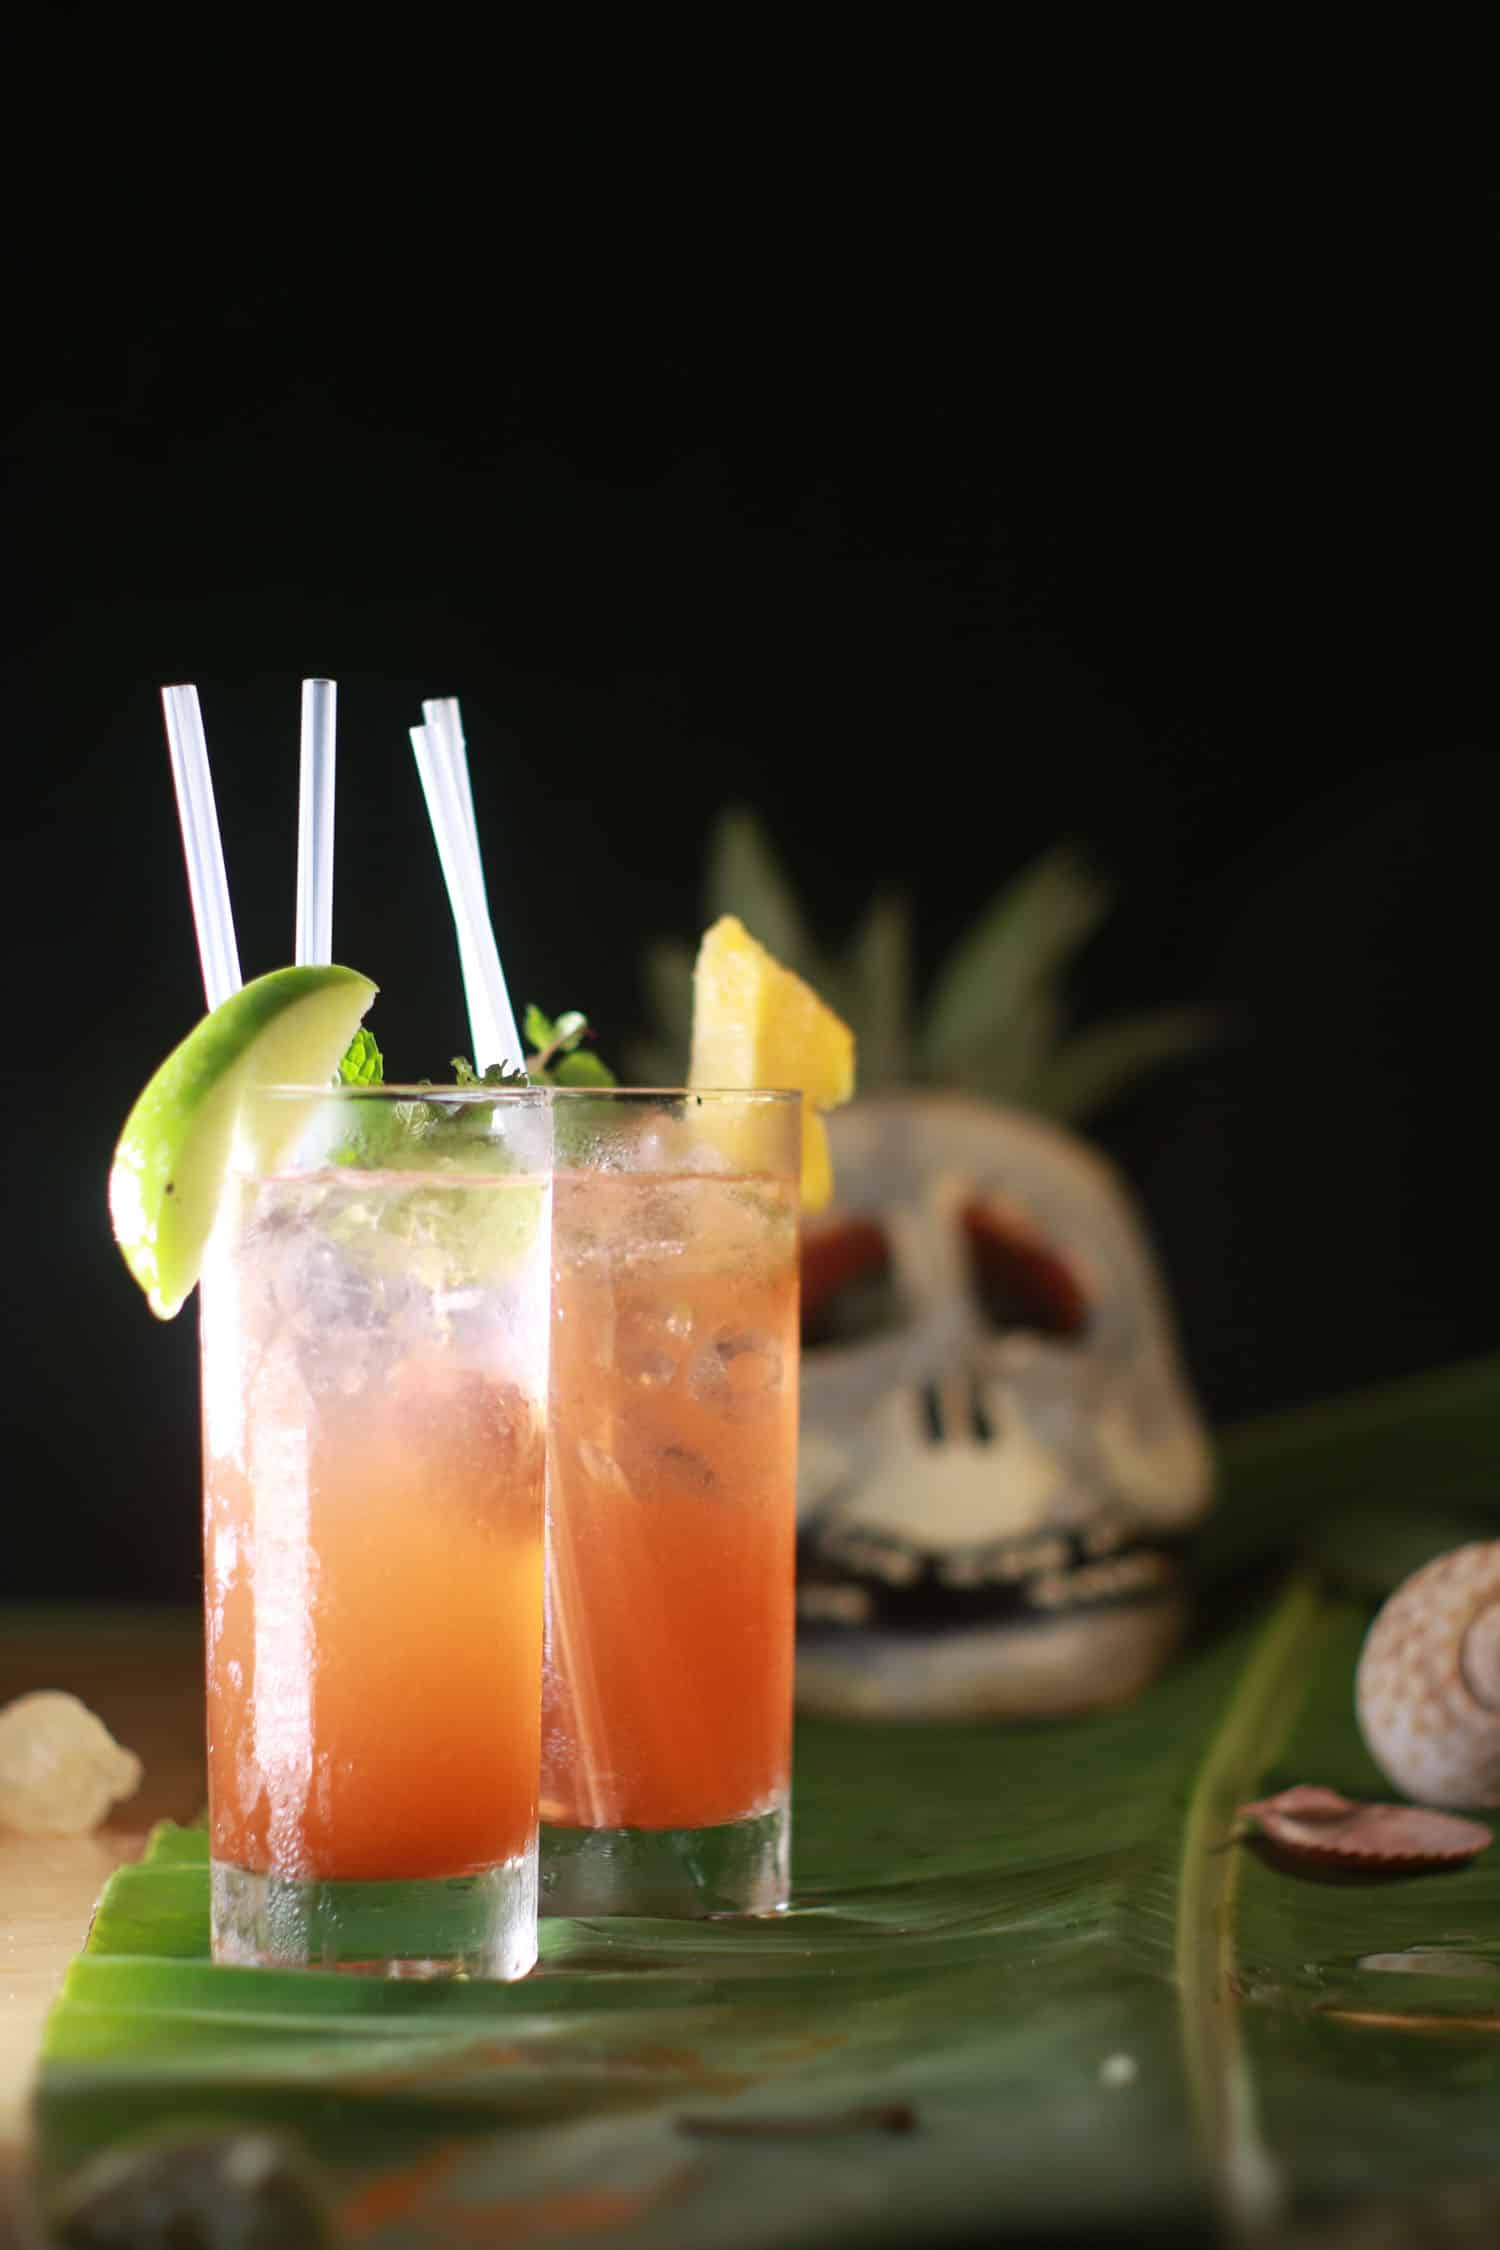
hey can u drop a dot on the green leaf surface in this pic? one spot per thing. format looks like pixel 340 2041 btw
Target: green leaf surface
pixel 537 1027
pixel 1028 1986
pixel 362 1063
pixel 1369 1485
pixel 1091 1067
pixel 1021 943
pixel 746 878
pixel 1009 1070
pixel 581 1068
pixel 880 1003
pixel 669 990
pixel 996 1020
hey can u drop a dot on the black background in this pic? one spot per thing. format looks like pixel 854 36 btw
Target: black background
pixel 1176 539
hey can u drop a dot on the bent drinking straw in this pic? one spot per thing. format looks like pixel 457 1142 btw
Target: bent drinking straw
pixel 445 725
pixel 442 716
pixel 577 1666
pixel 208 885
pixel 445 731
pixel 439 751
pixel 315 823
pixel 492 1025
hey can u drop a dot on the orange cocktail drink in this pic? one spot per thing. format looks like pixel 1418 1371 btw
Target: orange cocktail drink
pixel 375 1339
pixel 666 1741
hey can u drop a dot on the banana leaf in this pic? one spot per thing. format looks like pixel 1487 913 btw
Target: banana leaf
pixel 1031 1988
pixel 1368 1486
pixel 1033 1985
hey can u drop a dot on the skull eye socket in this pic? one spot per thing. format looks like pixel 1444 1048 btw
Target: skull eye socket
pixel 848 1289
pixel 1019 1280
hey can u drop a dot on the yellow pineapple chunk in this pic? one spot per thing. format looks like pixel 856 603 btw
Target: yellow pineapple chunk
pixel 756 1024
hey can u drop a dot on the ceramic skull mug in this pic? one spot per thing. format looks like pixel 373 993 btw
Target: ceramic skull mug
pixel 1001 1459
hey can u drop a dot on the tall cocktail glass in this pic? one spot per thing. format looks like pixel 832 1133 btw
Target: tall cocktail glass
pixel 375 1341
pixel 667 1705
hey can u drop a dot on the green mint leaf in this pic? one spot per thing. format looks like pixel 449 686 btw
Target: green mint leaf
pixel 493 1074
pixel 581 1069
pixel 555 1043
pixel 363 1064
pixel 556 1059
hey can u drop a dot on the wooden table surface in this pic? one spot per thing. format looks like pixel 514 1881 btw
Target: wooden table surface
pixel 142 1671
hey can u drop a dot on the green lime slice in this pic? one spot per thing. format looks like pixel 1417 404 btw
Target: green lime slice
pixel 288 1028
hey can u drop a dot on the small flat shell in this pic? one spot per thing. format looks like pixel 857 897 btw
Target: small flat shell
pixel 1318 1824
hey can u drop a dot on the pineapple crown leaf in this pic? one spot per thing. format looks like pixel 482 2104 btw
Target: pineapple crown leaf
pixel 1099 1062
pixel 877 988
pixel 1022 942
pixel 996 1020
pixel 746 878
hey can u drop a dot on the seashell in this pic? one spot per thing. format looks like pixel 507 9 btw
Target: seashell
pixel 1427 1690
pixel 1318 1824
pixel 60 1767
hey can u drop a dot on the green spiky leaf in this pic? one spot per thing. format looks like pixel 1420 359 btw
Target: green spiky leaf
pixel 660 1058
pixel 746 878
pixel 997 1021
pixel 876 981
pixel 581 1068
pixel 1009 1069
pixel 1026 938
pixel 559 1057
pixel 493 1074
pixel 1084 1072
pixel 362 1063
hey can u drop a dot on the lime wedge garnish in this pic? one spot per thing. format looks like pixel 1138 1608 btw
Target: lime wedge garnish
pixel 288 1028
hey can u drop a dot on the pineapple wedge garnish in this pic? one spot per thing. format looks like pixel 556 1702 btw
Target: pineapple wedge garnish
pixel 756 1024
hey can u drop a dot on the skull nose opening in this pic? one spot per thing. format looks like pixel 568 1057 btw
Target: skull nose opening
pixel 1018 1279
pixel 848 1281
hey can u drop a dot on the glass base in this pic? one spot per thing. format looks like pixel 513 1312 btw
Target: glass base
pixel 734 1867
pixel 458 1926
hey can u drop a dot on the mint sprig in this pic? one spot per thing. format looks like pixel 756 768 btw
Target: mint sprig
pixel 557 1057
pixel 493 1074
pixel 377 1131
pixel 363 1064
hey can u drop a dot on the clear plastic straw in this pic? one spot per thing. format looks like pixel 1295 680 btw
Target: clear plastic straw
pixel 492 1025
pixel 445 730
pixel 444 719
pixel 444 739
pixel 315 822
pixel 208 884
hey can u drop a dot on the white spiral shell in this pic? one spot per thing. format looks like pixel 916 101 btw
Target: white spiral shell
pixel 1427 1691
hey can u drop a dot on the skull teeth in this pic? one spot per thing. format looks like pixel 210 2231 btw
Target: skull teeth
pixel 834 1605
pixel 1136 1573
pixel 850 1574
